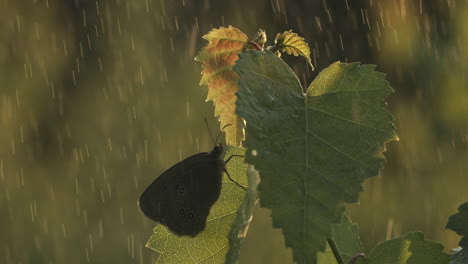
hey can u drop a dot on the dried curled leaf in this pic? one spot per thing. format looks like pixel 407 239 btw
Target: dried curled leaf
pixel 292 44
pixel 260 38
pixel 218 58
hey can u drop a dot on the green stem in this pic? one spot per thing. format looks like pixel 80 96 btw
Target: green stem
pixel 335 251
pixel 356 257
pixel 273 49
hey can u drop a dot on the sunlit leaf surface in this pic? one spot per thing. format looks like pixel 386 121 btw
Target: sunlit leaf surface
pixel 313 150
pixel 218 57
pixel 411 248
pixel 211 245
pixel 293 44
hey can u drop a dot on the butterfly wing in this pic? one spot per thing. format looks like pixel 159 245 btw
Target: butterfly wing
pixel 182 196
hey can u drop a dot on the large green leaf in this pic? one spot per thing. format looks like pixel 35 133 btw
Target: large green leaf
pixel 313 150
pixel 408 249
pixel 211 245
pixel 459 223
pixel 244 217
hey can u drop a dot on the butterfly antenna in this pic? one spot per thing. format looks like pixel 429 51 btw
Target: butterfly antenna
pixel 221 132
pixel 209 132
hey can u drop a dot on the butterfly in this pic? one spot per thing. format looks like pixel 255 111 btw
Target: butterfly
pixel 181 198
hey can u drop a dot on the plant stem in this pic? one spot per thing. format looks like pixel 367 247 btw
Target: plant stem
pixel 335 251
pixel 355 258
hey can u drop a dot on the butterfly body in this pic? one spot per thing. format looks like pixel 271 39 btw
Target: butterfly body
pixel 181 198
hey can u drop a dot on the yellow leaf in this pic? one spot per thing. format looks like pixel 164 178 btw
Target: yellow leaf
pixel 218 58
pixel 292 44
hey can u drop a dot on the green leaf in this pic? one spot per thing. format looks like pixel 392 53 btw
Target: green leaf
pixel 346 237
pixel 244 216
pixel 211 245
pixel 292 44
pixel 313 150
pixel 459 223
pixel 409 249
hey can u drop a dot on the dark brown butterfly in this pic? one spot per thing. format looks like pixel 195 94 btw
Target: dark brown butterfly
pixel 181 198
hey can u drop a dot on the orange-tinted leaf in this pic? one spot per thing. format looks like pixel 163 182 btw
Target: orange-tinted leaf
pixel 218 57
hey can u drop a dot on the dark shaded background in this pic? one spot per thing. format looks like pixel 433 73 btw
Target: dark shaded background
pixel 98 98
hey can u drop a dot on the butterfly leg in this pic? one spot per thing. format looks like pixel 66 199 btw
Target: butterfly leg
pixel 229 176
pixel 232 157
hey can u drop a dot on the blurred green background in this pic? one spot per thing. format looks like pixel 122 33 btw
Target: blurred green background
pixel 97 98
